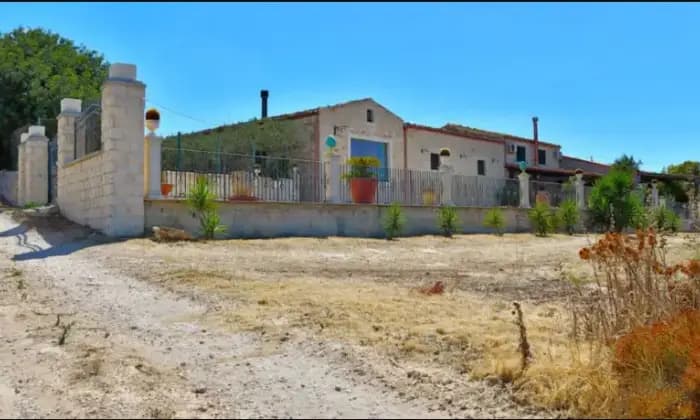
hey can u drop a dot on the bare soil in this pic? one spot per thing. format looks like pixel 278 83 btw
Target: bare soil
pixel 270 328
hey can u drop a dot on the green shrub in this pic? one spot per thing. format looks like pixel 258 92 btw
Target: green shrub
pixel 494 219
pixel 394 221
pixel 568 215
pixel 201 200
pixel 31 205
pixel 448 222
pixel 210 223
pixel 613 203
pixel 665 220
pixel 543 219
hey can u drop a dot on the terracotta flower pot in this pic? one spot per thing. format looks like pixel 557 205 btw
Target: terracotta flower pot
pixel 363 190
pixel 165 189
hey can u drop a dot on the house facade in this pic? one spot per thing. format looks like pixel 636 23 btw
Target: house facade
pixel 366 128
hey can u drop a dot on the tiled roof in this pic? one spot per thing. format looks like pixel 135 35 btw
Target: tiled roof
pixel 472 136
pixel 490 134
pixel 602 165
pixel 553 171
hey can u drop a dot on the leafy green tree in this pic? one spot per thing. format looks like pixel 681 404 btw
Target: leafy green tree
pixel 38 68
pixel 678 189
pixel 613 203
pixel 627 163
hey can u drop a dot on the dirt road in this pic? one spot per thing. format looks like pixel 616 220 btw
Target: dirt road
pixel 134 349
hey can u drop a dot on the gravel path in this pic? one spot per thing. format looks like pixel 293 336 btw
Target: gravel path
pixel 136 350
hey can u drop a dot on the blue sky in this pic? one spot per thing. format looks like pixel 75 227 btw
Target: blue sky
pixel 604 79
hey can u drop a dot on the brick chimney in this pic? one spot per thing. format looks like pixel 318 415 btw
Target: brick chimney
pixel 536 141
pixel 264 94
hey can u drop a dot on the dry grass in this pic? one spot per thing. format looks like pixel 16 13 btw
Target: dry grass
pixel 457 330
pixel 366 292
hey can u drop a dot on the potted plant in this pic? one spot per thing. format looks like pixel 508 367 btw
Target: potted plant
pixel 428 197
pixel 363 180
pixel 165 188
pixel 152 120
pixel 241 190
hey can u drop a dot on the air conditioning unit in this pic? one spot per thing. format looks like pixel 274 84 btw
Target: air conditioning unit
pixel 511 148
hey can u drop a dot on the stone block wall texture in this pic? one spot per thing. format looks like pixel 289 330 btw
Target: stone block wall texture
pixel 82 192
pixel 105 190
pixel 8 186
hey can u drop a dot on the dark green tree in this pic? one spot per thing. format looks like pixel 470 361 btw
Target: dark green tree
pixel 627 163
pixel 38 68
pixel 678 189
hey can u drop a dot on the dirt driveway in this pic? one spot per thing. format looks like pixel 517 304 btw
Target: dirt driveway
pixel 263 328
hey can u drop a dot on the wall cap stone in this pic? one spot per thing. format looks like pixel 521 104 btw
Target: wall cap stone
pixel 122 71
pixel 71 105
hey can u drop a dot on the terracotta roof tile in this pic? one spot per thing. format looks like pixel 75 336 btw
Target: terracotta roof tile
pixel 491 134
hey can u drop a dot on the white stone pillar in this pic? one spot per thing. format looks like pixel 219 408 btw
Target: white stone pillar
pixel 524 178
pixel 446 177
pixel 654 195
pixel 152 169
pixel 580 193
pixel 70 111
pixel 36 165
pixel 334 179
pixel 21 172
pixel 123 151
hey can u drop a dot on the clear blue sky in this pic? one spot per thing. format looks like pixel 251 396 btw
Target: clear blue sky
pixel 604 79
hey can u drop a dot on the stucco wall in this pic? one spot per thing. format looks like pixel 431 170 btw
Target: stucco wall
pixel 472 149
pixel 262 220
pixel 82 191
pixel 351 120
pixel 8 186
pixel 552 162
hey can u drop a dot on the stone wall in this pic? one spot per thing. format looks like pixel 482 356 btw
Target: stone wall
pixel 8 187
pixel 105 189
pixel 82 192
pixel 267 220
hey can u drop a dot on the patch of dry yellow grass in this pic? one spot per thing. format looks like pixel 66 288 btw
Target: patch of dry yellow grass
pixel 460 330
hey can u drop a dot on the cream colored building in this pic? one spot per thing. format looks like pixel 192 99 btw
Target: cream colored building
pixel 365 127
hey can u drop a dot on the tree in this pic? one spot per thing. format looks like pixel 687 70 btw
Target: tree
pixel 627 163
pixel 678 189
pixel 689 167
pixel 613 203
pixel 38 68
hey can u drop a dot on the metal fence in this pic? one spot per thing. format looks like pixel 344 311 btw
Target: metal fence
pixel 427 188
pixel 243 177
pixel 553 193
pixel 88 130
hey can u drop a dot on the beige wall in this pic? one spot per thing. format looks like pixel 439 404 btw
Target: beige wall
pixel 82 191
pixel 552 162
pixel 352 122
pixel 269 220
pixel 474 150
